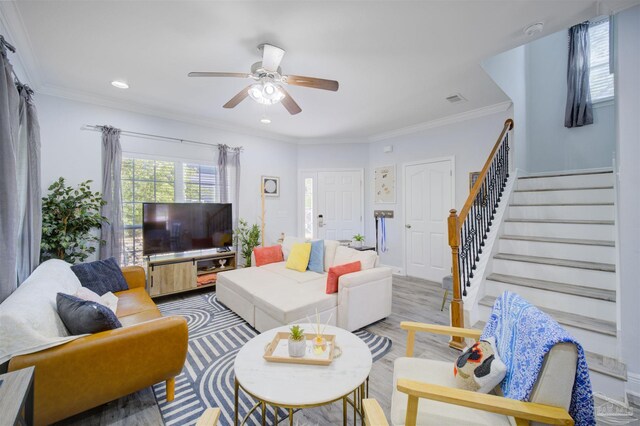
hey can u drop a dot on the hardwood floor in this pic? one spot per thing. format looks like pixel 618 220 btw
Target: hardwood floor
pixel 413 300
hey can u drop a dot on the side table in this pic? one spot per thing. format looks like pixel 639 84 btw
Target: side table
pixel 16 397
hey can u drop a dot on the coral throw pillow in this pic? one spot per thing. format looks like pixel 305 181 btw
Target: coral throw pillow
pixel 480 368
pixel 298 259
pixel 267 255
pixel 335 272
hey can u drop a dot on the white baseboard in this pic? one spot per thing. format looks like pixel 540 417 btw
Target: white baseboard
pixel 395 270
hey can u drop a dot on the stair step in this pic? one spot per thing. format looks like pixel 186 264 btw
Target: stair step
pixel 560 204
pixel 606 267
pixel 603 243
pixel 575 290
pixel 564 221
pixel 596 362
pixel 554 174
pixel 606 365
pixel 569 319
pixel 564 189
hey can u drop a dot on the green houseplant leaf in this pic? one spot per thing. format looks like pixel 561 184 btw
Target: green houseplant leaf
pixel 70 219
pixel 248 238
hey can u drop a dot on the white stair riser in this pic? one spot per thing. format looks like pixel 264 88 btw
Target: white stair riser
pixel 594 212
pixel 586 253
pixel 568 196
pixel 602 344
pixel 609 386
pixel 576 181
pixel 585 306
pixel 561 230
pixel 562 274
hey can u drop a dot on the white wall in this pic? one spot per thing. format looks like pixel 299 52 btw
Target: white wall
pixel 469 142
pixel 551 145
pixel 628 158
pixel 73 153
pixel 509 71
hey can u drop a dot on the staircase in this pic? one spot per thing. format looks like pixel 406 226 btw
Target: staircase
pixel 557 250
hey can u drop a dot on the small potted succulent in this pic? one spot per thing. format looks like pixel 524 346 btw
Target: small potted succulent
pixel 358 240
pixel 297 342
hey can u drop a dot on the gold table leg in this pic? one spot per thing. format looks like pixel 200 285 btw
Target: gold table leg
pixel 290 416
pixel 264 414
pixel 235 403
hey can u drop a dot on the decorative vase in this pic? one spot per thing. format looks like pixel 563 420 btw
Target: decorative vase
pixel 319 345
pixel 297 348
pixel 356 244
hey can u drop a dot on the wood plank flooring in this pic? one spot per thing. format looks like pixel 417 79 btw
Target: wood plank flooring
pixel 413 300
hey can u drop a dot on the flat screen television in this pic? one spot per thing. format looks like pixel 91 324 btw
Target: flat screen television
pixel 178 227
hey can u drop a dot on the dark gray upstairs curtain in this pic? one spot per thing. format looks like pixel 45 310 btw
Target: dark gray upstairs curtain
pixel 28 182
pixel 112 232
pixel 578 111
pixel 229 158
pixel 9 102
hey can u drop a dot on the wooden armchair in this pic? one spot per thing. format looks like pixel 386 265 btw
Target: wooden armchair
pixel 209 417
pixel 433 381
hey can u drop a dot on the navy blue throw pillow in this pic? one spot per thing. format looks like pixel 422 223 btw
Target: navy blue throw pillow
pixel 84 316
pixel 101 276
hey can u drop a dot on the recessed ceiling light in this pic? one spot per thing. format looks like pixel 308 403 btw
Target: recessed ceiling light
pixel 119 84
pixel 534 29
pixel 265 120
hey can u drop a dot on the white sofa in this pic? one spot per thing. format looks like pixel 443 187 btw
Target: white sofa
pixel 271 295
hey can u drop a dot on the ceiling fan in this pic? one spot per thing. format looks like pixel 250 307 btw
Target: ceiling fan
pixel 268 86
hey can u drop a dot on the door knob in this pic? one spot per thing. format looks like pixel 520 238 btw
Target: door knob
pixel 407 226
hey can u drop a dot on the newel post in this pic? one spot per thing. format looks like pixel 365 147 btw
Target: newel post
pixel 457 309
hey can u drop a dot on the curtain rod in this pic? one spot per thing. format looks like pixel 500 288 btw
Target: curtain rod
pixel 152 136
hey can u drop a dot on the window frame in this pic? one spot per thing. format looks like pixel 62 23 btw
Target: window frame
pixel 602 101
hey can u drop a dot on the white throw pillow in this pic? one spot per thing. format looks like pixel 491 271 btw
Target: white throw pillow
pixel 108 299
pixel 344 255
pixel 287 245
pixel 330 247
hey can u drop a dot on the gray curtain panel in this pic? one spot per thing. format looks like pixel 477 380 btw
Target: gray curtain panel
pixel 9 103
pixel 28 180
pixel 578 111
pixel 112 232
pixel 229 158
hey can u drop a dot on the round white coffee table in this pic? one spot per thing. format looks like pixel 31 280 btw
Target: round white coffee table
pixel 294 386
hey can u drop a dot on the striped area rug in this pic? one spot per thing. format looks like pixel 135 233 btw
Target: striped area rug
pixel 216 334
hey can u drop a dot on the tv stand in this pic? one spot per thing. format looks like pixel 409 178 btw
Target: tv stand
pixel 178 272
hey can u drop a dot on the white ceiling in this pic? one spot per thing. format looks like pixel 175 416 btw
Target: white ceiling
pixel 396 61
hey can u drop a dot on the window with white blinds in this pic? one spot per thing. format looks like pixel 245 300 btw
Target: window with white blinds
pixel 151 180
pixel 600 80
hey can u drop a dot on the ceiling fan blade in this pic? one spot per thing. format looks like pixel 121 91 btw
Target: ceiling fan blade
pixel 271 57
pixel 312 82
pixel 219 74
pixel 288 102
pixel 233 102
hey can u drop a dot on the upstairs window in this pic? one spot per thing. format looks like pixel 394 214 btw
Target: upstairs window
pixel 600 79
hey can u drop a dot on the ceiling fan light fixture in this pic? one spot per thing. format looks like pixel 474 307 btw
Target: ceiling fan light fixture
pixel 266 93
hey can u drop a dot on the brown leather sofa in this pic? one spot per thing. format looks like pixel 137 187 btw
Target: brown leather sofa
pixel 99 368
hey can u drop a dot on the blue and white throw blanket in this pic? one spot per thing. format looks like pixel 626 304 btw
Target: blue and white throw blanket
pixel 524 334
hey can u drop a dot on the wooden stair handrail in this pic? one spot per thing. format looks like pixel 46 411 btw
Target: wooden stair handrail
pixel 464 211
pixel 455 223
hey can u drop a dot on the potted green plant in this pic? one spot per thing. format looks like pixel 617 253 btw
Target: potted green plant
pixel 357 240
pixel 248 238
pixel 297 342
pixel 69 218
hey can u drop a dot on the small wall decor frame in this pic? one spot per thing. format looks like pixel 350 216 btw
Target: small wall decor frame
pixel 473 177
pixel 271 186
pixel 385 184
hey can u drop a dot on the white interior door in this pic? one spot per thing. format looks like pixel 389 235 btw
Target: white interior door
pixel 339 206
pixel 428 198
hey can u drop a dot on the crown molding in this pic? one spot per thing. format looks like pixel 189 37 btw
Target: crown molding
pixel 12 21
pixel 451 119
pixel 333 141
pixel 80 96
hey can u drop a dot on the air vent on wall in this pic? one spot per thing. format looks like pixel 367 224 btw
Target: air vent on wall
pixel 455 98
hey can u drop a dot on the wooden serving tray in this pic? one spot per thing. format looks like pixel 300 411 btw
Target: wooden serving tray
pixel 278 350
